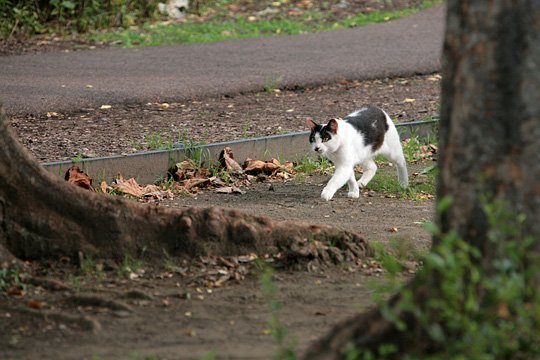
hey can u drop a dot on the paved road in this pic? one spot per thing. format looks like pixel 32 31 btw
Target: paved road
pixel 37 83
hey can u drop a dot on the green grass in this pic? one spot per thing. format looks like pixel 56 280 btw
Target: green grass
pixel 311 165
pixel 420 188
pixel 241 27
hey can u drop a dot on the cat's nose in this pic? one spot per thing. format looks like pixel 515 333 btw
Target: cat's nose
pixel 317 148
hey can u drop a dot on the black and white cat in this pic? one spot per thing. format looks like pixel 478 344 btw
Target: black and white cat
pixel 356 140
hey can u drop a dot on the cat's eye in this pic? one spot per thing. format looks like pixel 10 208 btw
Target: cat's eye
pixel 325 139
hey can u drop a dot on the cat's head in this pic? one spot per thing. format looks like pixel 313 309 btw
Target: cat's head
pixel 323 138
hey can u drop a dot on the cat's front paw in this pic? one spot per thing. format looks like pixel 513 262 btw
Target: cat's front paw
pixel 326 194
pixel 353 194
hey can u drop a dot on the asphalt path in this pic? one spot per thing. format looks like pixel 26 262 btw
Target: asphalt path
pixel 61 82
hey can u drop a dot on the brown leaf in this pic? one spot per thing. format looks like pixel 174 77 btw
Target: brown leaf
pixel 229 190
pixel 130 187
pixel 226 160
pixel 104 186
pixel 15 292
pixel 77 177
pixel 34 304
pixel 258 166
pixel 191 183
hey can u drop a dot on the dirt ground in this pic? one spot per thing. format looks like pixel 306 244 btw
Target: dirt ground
pixel 168 312
pixel 178 309
pixel 174 310
pixel 138 127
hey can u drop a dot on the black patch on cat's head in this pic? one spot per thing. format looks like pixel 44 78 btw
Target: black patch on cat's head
pixel 323 131
pixel 371 123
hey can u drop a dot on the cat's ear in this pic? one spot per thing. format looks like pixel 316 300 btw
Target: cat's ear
pixel 333 126
pixel 312 125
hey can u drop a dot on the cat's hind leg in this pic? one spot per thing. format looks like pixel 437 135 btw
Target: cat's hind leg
pixel 370 168
pixel 393 151
pixel 398 159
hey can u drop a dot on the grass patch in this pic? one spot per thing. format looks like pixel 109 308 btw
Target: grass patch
pixel 239 27
pixel 421 187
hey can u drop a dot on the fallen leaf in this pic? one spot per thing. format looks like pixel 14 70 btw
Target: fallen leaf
pixel 15 292
pixel 409 100
pixel 191 183
pixel 229 190
pixel 129 186
pixel 104 187
pixel 51 114
pixel 77 177
pixel 34 304
pixel 105 107
pixel 258 166
pixel 393 230
pixel 226 160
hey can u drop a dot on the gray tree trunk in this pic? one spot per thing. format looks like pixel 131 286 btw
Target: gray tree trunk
pixel 489 145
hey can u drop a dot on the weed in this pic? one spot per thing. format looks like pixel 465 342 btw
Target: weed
pixel 421 187
pixel 10 278
pixel 130 265
pixel 272 83
pixel 212 355
pixel 77 158
pixel 476 309
pixel 310 165
pixel 157 141
pixel 277 329
pixel 89 267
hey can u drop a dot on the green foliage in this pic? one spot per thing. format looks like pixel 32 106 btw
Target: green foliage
pixel 10 278
pixel 20 17
pixel 385 181
pixel 216 29
pixel 129 265
pixel 310 165
pixel 157 141
pixel 90 268
pixel 272 83
pixel 476 309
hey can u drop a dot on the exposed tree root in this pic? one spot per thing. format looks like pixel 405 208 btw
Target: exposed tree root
pixel 98 301
pixel 83 322
pixel 42 216
pixel 49 284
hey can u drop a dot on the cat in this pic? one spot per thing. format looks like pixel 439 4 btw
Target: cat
pixel 356 140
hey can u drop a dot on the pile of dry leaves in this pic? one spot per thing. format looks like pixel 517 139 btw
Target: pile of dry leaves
pixel 188 178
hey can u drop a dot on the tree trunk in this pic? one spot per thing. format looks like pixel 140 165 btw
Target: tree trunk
pixel 489 148
pixel 42 216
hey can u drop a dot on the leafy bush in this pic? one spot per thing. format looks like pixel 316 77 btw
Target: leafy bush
pixel 20 17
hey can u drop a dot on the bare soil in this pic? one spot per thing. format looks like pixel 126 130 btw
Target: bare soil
pixel 138 127
pixel 176 308
pixel 177 313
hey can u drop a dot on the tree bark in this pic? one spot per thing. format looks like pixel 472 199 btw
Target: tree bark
pixel 489 148
pixel 42 216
